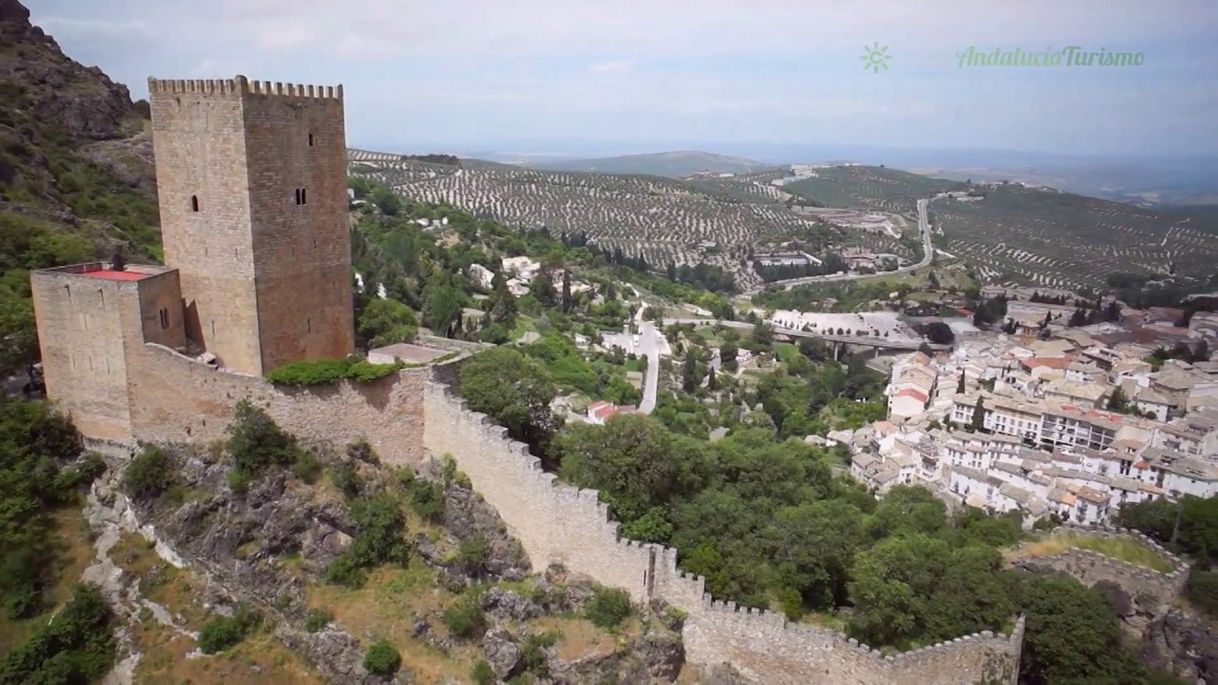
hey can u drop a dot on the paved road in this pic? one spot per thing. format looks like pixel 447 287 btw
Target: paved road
pixel 649 345
pixel 868 340
pixel 928 254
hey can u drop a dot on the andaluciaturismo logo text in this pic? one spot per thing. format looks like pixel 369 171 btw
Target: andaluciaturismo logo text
pixel 1072 56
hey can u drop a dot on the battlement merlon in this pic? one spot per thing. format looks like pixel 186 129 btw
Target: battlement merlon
pixel 240 85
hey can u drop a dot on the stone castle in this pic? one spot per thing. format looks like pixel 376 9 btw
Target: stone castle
pixel 251 181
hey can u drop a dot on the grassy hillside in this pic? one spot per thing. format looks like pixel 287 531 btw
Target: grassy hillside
pixel 75 177
pixel 869 187
pixel 1016 233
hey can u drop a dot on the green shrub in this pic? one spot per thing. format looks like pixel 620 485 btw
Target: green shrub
pixel 256 441
pixel 317 372
pixel 464 616
pixel 379 540
pixel 482 673
pixel 149 474
pixel 82 472
pixel 365 371
pixel 346 479
pixel 361 450
pixel 533 654
pixel 1202 591
pixel 382 527
pixel 307 467
pixel 317 619
pixel 345 571
pixel 608 608
pixel 329 371
pixel 382 658
pixel 427 499
pixel 238 482
pixel 32 440
pixel 223 632
pixel 472 554
pixel 77 647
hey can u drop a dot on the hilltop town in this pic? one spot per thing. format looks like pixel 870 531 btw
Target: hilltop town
pixel 1054 420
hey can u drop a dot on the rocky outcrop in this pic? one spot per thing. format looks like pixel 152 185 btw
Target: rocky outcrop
pixel 1183 645
pixel 237 543
pixel 501 652
pixel 81 101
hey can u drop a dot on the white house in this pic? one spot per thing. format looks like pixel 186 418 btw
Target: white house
pixel 481 276
pixel 522 268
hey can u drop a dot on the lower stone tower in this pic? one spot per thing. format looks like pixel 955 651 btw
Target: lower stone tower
pixel 251 178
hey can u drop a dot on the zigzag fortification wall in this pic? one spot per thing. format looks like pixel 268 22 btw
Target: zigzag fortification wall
pixel 558 523
pixel 1151 591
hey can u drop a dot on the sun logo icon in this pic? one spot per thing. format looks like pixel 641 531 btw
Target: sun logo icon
pixel 875 57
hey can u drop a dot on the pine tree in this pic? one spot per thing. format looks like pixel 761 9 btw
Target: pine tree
pixel 567 301
pixel 978 421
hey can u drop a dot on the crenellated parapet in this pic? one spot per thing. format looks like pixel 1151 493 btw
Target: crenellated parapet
pixel 240 85
pixel 1151 591
pixel 559 523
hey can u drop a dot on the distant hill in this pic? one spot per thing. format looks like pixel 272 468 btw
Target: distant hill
pixel 670 164
pixel 1015 232
pixel 76 178
pixel 856 185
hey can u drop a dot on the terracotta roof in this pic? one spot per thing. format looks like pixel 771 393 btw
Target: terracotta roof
pixel 1051 362
pixel 912 392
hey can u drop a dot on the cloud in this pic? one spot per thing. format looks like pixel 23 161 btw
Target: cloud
pixel 789 69
pixel 613 67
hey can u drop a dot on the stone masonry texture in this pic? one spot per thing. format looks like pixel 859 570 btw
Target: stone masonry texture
pixel 251 179
pixel 557 523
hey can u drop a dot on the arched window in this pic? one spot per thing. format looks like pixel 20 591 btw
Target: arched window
pixel 194 203
pixel 304 196
pixel 310 140
pixel 164 314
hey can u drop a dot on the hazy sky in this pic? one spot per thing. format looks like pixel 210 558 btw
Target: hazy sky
pixel 563 74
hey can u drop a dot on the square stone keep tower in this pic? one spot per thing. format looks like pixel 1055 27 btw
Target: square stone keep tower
pixel 251 179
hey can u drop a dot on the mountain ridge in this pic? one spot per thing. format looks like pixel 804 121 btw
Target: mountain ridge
pixel 672 164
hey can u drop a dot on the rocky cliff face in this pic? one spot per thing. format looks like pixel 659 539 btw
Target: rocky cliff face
pixel 65 130
pixel 268 548
pixel 1183 645
pixel 81 101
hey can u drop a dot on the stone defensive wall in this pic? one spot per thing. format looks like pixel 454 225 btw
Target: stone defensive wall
pixel 1152 591
pixel 175 399
pixel 243 86
pixel 558 523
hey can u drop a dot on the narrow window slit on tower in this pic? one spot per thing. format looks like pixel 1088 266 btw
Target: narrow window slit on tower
pixel 310 140
pixel 194 203
pixel 304 198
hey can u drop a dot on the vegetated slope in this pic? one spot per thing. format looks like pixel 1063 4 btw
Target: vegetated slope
pixel 73 185
pixel 856 186
pixel 1065 240
pixel 672 164
pixel 664 220
pixel 1033 235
